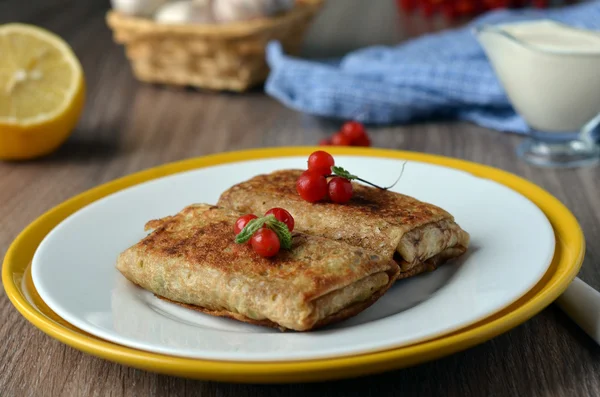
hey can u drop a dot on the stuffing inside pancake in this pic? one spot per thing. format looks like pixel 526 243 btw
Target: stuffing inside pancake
pixel 443 239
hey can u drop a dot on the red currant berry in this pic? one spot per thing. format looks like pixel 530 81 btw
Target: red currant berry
pixel 353 130
pixel 450 11
pixel 340 190
pixel 407 5
pixel 311 186
pixel 428 9
pixel 325 142
pixel 339 139
pixel 320 162
pixel 241 222
pixel 496 4
pixel 322 171
pixel 282 216
pixel 465 7
pixel 362 141
pixel 265 242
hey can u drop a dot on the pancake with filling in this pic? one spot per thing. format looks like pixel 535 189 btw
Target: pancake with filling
pixel 191 259
pixel 419 236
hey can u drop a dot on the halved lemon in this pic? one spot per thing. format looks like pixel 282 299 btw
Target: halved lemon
pixel 42 91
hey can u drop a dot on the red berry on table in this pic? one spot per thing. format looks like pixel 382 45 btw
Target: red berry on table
pixel 363 141
pixel 241 222
pixel 321 162
pixel 283 216
pixel 353 130
pixel 340 190
pixel 325 142
pixel 311 186
pixel 265 242
pixel 339 139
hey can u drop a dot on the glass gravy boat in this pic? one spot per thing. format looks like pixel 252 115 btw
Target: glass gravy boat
pixel 551 74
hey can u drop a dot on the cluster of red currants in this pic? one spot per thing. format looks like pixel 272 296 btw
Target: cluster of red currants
pixel 352 133
pixel 313 185
pixel 265 241
pixel 453 9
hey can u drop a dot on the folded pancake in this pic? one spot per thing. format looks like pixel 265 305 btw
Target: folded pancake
pixel 191 259
pixel 418 235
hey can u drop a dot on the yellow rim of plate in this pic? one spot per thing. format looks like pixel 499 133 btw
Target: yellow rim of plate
pixel 568 257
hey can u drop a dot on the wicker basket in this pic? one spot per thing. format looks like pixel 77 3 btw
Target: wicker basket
pixel 227 57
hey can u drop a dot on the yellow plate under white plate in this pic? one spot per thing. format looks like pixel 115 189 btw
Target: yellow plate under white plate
pixel 567 260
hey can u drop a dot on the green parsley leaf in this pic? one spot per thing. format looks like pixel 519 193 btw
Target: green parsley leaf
pixel 282 231
pixel 250 228
pixel 339 171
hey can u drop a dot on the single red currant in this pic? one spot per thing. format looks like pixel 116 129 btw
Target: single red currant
pixel 362 141
pixel 353 130
pixel 265 242
pixel 428 8
pixel 407 5
pixel 321 171
pixel 311 186
pixel 450 11
pixel 465 7
pixel 283 216
pixel 340 190
pixel 241 222
pixel 339 139
pixel 320 162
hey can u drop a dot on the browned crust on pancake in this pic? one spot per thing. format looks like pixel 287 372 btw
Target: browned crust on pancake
pixel 366 202
pixel 341 315
pixel 373 219
pixel 225 314
pixel 417 269
pixel 355 308
pixel 198 244
pixel 206 236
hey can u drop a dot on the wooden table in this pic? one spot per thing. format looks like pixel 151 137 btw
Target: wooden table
pixel 128 126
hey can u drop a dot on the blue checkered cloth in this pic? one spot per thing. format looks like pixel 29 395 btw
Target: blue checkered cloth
pixel 442 75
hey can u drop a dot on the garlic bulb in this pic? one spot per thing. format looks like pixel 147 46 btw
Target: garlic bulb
pixel 181 12
pixel 241 10
pixel 141 8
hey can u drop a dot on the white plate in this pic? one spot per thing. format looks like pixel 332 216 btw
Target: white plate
pixel 511 248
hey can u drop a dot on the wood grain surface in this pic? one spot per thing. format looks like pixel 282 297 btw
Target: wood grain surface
pixel 128 126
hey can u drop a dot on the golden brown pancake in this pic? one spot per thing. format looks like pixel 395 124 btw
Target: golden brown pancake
pixel 191 259
pixel 418 235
